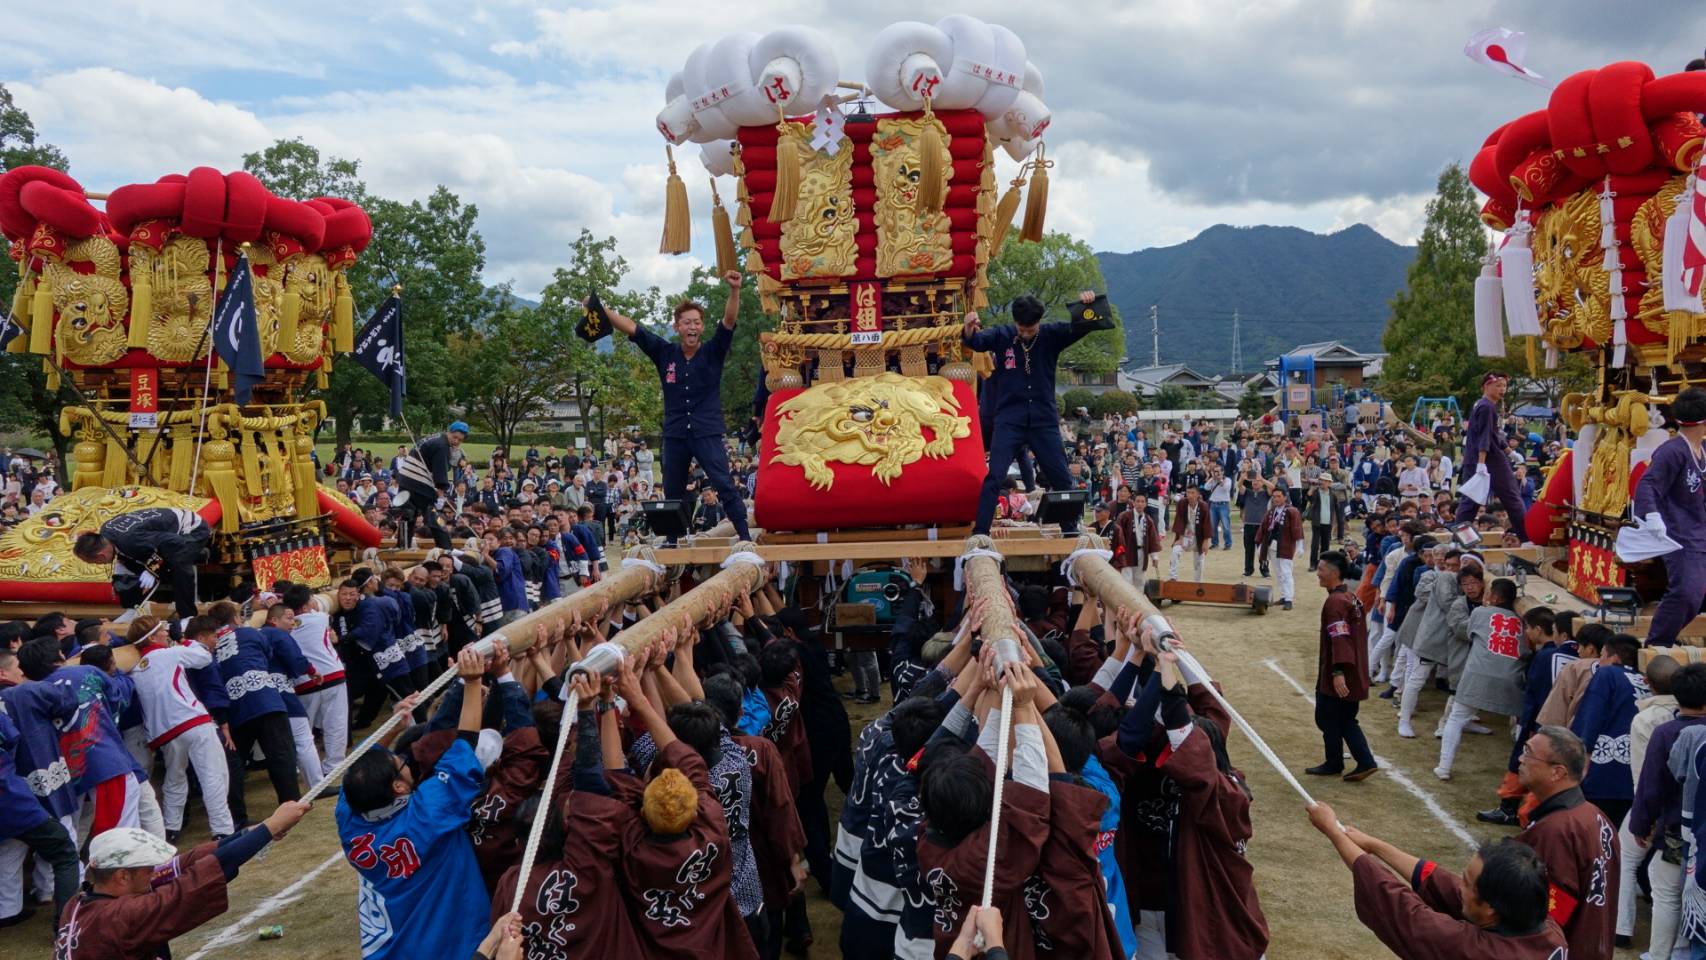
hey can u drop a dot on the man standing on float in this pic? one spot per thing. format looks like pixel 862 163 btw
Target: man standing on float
pixel 1484 451
pixel 691 370
pixel 1024 408
pixel 1672 490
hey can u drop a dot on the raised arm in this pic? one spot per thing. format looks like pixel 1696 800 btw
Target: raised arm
pixel 731 310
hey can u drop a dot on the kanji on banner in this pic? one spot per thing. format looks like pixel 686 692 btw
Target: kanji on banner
pixel 1593 563
pixel 144 399
pixel 867 299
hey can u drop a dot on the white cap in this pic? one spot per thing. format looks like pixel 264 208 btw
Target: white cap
pixel 123 847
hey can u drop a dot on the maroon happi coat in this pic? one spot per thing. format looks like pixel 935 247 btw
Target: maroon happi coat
pixel 787 729
pixel 1423 920
pixel 1344 645
pixel 1065 898
pixel 678 886
pixel 1579 847
pixel 573 905
pixel 495 827
pixel 777 836
pixel 99 927
pixel 1210 835
pixel 954 874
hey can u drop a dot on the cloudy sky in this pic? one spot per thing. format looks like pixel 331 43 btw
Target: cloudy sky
pixel 1168 116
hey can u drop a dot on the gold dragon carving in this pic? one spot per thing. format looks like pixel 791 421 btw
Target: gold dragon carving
pixel 1574 293
pixel 307 276
pixel 183 296
pixel 822 238
pixel 39 548
pixel 269 296
pixel 908 241
pixel 1647 234
pixel 92 306
pixel 868 421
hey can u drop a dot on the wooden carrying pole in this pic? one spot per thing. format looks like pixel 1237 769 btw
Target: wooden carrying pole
pixel 984 579
pixel 742 574
pixel 1096 575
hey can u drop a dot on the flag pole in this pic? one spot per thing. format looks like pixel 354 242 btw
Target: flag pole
pixel 207 368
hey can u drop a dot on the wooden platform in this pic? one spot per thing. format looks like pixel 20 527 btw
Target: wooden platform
pixel 1012 546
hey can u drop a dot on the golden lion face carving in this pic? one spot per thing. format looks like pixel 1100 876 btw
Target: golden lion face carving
pixel 183 296
pixel 907 242
pixel 306 275
pixel 39 547
pixel 821 239
pixel 870 421
pixel 92 306
pixel 1574 293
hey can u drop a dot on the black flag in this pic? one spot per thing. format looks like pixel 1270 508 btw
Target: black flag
pixel 379 348
pixel 595 323
pixel 235 334
pixel 1094 315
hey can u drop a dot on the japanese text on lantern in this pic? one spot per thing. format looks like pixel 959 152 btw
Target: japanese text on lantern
pixel 867 314
pixel 144 399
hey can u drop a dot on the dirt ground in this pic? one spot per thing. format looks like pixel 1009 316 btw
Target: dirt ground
pixel 1305 890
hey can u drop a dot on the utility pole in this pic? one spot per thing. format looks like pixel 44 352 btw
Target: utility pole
pixel 1237 348
pixel 1155 334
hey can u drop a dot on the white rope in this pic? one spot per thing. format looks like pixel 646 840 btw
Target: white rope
pixel 542 812
pixel 1186 660
pixel 742 556
pixel 1001 743
pixel 960 564
pixel 1066 566
pixel 373 738
pixel 652 565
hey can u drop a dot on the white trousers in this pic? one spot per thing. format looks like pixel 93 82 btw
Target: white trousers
pixel 328 711
pixel 307 758
pixel 1173 566
pixel 1455 720
pixel 1134 574
pixel 1668 880
pixel 148 814
pixel 1151 933
pixel 1381 658
pixel 200 746
pixel 12 871
pixel 1283 583
pixel 1414 679
pixel 136 741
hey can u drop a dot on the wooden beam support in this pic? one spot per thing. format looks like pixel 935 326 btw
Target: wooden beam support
pixel 884 550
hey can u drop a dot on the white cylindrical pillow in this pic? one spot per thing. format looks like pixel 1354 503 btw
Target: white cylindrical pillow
pixel 974 47
pixel 900 58
pixel 803 59
pixel 718 156
pixel 1007 61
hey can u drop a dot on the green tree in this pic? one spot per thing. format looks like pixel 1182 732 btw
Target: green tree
pixel 26 404
pixel 520 364
pixel 294 169
pixel 1172 397
pixel 1055 271
pixel 1114 402
pixel 1430 337
pixel 1072 399
pixel 1252 404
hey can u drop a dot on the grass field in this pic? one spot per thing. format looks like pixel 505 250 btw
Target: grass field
pixel 477 453
pixel 1264 663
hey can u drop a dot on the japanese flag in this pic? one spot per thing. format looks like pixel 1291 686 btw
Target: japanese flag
pixel 1502 50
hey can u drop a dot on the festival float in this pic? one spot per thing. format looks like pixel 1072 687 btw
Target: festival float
pixel 119 303
pixel 1600 199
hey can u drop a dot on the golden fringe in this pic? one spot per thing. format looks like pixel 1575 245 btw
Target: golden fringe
pixel 677 221
pixel 932 178
pixel 722 233
pixel 788 162
pixel 1036 201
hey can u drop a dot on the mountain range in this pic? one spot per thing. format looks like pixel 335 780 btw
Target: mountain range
pixel 1288 286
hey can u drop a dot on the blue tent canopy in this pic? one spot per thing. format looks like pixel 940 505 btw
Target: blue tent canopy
pixel 1533 412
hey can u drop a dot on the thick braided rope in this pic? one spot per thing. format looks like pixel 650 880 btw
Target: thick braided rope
pixel 1244 725
pixel 1001 744
pixel 541 813
pixel 333 775
pixel 843 341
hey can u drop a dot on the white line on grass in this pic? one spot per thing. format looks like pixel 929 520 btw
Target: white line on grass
pixel 1393 772
pixel 283 898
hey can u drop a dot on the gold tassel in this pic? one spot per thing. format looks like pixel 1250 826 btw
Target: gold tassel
pixel 183 456
pixel 221 478
pixel 1005 210
pixel 1036 201
pixel 768 288
pixel 980 288
pixel 677 222
pixel 52 376
pixel 932 175
pixel 302 470
pixel 321 381
pixel 788 162
pixel 141 310
pixel 22 301
pixel 723 233
pixel 279 465
pixel 343 317
pixel 249 447
pixel 743 204
pixel 1533 360
pixel 115 471
pixel 288 315
pixel 41 320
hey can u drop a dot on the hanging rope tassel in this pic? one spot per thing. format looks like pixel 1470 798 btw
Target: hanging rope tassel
pixel 933 158
pixel 677 221
pixel 722 233
pixel 22 300
pixel 141 310
pixel 788 162
pixel 570 713
pixel 289 315
pixel 41 320
pixel 343 317
pixel 1006 210
pixel 1036 201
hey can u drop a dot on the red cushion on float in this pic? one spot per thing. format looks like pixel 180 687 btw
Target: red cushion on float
pixel 928 491
pixel 1484 174
pixel 346 224
pixel 245 207
pixel 1677 93
pixel 1550 508
pixel 348 522
pixel 296 219
pixel 133 203
pixel 1614 98
pixel 1678 139
pixel 1571 125
pixel 67 211
pixel 204 203
pixel 1521 138
pixel 16 222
